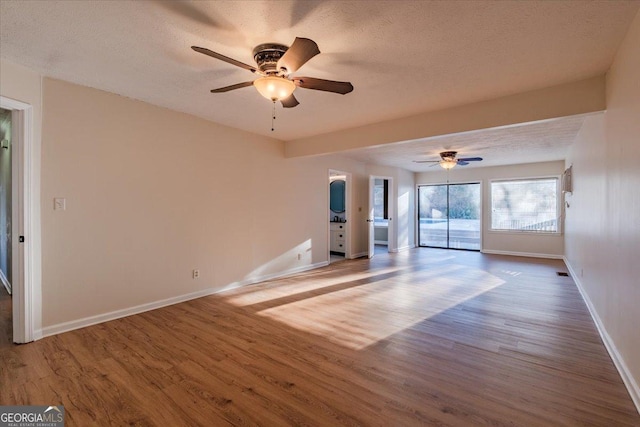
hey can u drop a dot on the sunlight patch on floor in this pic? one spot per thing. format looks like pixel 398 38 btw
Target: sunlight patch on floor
pixel 392 305
pixel 511 273
pixel 251 296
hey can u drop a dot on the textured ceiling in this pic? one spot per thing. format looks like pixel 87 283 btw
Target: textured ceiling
pixel 403 57
pixel 526 143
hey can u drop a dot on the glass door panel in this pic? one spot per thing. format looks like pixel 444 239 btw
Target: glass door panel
pixel 432 218
pixel 464 216
pixel 449 216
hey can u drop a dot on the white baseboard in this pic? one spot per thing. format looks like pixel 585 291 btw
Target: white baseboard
pixel 402 249
pixel 618 361
pixel 381 242
pixel 5 282
pixel 524 254
pixel 117 314
pixel 360 255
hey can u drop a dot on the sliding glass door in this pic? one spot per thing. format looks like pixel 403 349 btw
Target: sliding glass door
pixel 449 216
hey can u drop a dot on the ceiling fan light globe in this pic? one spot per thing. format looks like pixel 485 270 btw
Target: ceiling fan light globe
pixel 274 88
pixel 448 164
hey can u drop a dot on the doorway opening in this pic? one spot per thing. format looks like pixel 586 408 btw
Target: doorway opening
pixel 339 215
pixel 26 297
pixel 449 216
pixel 6 317
pixel 380 219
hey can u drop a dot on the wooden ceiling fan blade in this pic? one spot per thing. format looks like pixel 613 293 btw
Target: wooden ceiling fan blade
pixel 470 159
pixel 232 87
pixel 221 57
pixel 301 51
pixel 290 102
pixel 326 85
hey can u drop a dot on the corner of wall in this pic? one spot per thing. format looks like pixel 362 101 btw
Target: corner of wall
pixel 616 357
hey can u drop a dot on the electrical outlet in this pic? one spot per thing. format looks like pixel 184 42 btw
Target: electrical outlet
pixel 196 274
pixel 299 257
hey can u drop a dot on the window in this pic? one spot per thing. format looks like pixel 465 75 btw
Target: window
pixel 525 205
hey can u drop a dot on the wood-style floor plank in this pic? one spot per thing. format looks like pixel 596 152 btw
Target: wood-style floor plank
pixel 424 337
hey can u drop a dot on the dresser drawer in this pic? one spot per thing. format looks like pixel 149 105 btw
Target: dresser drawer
pixel 338 226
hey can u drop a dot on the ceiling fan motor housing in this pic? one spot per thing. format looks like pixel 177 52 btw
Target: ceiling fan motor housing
pixel 449 155
pixel 267 56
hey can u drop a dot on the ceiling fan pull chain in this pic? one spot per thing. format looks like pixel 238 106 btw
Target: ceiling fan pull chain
pixel 273 115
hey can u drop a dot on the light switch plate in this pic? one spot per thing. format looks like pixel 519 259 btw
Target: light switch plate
pixel 59 204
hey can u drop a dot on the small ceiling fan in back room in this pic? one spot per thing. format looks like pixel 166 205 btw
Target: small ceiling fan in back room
pixel 448 160
pixel 274 64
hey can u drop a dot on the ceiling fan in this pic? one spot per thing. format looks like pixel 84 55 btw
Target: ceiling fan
pixel 275 62
pixel 448 160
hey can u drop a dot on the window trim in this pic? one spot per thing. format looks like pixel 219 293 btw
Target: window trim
pixel 559 207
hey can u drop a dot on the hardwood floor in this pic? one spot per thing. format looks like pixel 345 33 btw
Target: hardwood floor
pixel 6 325
pixel 424 337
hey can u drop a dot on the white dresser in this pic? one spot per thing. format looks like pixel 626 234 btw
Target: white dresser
pixel 338 234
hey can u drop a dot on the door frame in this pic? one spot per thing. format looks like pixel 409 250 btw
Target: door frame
pixel 392 243
pixel 481 218
pixel 25 220
pixel 348 213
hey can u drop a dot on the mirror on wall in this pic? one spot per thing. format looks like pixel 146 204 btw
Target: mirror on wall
pixel 337 196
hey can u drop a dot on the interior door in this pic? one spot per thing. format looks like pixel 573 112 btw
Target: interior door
pixel 449 216
pixel 370 218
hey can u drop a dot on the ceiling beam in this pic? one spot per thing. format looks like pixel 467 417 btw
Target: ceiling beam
pixel 584 96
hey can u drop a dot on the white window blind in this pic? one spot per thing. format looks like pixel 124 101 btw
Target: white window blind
pixel 525 205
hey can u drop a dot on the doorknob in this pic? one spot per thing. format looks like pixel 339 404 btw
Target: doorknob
pixel 369 220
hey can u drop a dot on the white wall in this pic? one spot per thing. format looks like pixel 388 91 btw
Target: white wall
pixel 406 213
pixel 539 244
pixel 153 194
pixel 603 220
